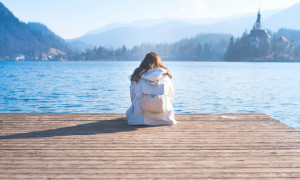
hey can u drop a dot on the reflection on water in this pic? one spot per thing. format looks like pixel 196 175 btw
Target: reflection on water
pixel 200 87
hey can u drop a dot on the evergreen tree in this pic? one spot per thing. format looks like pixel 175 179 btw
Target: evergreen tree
pixel 229 54
pixel 207 52
pixel 124 49
pixel 199 51
pixel 33 54
pixel 274 42
pixel 99 52
pixel 265 49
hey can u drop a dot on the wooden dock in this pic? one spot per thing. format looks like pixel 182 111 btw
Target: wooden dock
pixel 103 146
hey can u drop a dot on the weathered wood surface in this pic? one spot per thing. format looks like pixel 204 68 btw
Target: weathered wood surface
pixel 103 146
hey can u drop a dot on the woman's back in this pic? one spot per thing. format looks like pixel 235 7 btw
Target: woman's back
pixel 151 93
pixel 137 116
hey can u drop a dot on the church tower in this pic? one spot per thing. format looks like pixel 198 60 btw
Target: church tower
pixel 258 24
pixel 258 35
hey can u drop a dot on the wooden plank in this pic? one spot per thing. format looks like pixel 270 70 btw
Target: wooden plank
pixel 270 159
pixel 147 164
pixel 206 175
pixel 147 153
pixel 103 146
pixel 142 170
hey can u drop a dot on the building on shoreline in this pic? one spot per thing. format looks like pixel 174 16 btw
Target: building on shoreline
pixel 258 35
pixel 18 57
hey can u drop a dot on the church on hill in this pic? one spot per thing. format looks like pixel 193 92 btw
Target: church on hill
pixel 258 35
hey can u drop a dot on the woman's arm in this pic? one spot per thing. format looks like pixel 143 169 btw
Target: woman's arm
pixel 132 91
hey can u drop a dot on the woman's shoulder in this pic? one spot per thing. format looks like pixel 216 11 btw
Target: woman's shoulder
pixel 166 79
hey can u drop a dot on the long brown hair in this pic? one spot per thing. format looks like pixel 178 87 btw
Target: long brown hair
pixel 151 61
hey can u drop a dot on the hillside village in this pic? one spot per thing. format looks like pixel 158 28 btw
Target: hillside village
pixel 53 54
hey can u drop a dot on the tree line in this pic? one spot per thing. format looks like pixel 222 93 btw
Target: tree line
pixel 200 47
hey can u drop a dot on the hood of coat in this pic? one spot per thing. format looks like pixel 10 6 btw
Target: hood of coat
pixel 154 75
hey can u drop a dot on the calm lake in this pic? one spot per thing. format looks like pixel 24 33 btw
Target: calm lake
pixel 200 87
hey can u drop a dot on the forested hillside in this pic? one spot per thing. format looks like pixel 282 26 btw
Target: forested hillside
pixel 33 39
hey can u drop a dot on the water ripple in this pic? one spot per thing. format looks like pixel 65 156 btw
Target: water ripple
pixel 200 87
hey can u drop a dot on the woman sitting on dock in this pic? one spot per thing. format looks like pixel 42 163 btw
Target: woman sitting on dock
pixel 151 93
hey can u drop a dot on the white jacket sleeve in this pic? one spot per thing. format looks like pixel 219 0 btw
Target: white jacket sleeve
pixel 132 91
pixel 171 91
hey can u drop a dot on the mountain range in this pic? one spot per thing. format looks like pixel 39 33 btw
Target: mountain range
pixel 29 38
pixel 152 22
pixel 171 30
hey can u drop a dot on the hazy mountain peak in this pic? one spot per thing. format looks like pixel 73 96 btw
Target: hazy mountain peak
pixel 285 18
pixel 107 27
pixel 144 23
pixel 149 22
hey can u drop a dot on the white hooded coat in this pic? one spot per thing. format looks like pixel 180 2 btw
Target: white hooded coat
pixel 136 116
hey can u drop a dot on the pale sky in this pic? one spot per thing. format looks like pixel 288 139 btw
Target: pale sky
pixel 73 18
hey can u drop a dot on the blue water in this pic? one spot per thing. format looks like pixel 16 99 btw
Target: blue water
pixel 200 87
